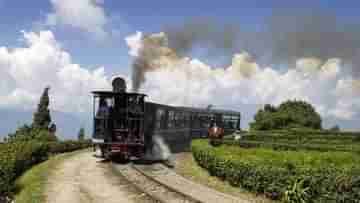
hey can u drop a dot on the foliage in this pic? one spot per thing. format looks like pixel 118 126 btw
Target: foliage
pixel 335 128
pixel 290 114
pixel 297 193
pixel 295 146
pixel 16 157
pixel 323 140
pixel 296 176
pixel 28 133
pixel 67 146
pixel 42 118
pixel 40 129
pixel 81 134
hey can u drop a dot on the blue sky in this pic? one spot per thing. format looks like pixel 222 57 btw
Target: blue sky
pixel 78 35
pixel 147 16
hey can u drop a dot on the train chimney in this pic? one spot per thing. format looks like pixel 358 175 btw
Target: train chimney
pixel 119 85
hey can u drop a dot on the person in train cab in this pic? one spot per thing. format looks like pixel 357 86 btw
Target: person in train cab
pixel 104 109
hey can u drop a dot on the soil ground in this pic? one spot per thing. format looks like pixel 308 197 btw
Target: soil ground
pixel 85 178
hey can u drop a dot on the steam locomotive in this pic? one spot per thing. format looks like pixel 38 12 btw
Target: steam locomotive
pixel 125 124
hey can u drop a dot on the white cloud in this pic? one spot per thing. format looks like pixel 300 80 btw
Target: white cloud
pixel 26 71
pixel 348 103
pixel 87 15
pixel 194 83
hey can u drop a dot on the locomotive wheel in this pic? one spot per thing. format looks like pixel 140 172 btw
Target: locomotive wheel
pixel 106 154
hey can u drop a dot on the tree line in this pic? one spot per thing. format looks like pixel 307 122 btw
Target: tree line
pixel 289 114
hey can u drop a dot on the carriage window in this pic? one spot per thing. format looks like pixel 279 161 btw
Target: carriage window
pixel 179 120
pixel 195 122
pixel 236 120
pixel 176 119
pixel 230 121
pixel 204 120
pixel 186 119
pixel 160 118
pixel 171 119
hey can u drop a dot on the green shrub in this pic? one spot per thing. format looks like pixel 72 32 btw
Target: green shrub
pixel 16 157
pixel 286 175
pixel 296 139
pixel 67 146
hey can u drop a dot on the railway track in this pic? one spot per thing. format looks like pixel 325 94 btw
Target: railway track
pixel 138 175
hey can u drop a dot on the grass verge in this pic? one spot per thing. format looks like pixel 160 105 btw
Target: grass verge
pixel 188 168
pixel 30 187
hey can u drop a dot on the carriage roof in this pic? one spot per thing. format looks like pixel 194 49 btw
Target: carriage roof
pixel 112 94
pixel 196 110
pixel 205 110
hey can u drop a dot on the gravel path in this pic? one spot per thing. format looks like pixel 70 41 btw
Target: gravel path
pixel 197 192
pixel 159 192
pixel 84 178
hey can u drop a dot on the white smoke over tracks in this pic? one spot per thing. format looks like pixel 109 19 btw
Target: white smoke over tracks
pixel 160 150
pixel 175 80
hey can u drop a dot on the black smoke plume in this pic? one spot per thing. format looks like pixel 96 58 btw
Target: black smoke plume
pixel 153 47
pixel 313 33
pixel 282 39
pixel 285 37
pixel 207 33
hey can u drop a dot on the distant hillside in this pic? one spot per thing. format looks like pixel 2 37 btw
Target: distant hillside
pixel 67 124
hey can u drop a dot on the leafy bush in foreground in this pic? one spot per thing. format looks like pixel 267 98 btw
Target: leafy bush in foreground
pixel 290 176
pixel 16 157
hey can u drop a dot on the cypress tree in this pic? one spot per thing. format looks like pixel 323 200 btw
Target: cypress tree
pixel 42 117
pixel 81 134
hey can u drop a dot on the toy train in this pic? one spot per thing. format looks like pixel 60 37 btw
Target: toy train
pixel 125 124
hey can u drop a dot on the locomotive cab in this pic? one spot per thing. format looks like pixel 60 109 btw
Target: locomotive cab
pixel 119 122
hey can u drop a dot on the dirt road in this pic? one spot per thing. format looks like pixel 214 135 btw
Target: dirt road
pixel 84 178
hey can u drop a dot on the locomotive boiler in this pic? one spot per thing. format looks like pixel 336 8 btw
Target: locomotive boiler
pixel 125 124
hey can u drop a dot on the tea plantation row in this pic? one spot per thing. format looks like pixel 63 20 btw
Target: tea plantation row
pixel 296 146
pixel 17 157
pixel 287 140
pixel 292 176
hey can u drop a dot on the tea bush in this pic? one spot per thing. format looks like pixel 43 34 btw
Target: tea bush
pixel 295 146
pixel 67 146
pixel 319 140
pixel 16 157
pixel 292 176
